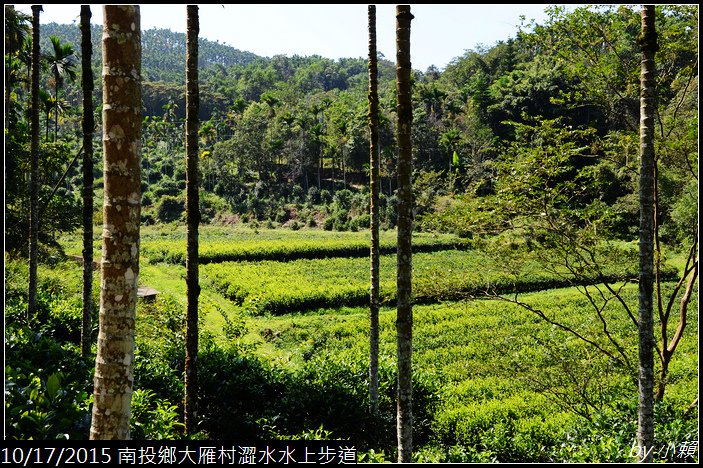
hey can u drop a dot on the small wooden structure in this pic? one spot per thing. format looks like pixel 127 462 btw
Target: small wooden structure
pixel 148 294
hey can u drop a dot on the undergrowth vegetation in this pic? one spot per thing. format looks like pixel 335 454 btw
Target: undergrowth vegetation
pixel 288 358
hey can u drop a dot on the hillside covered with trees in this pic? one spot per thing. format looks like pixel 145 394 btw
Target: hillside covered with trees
pixel 525 195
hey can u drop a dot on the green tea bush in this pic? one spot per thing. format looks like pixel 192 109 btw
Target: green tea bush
pixel 237 393
pixel 288 246
pixel 153 418
pixel 45 408
pixel 159 370
pixel 610 435
pixel 46 388
pixel 59 309
pixel 283 287
pixel 515 427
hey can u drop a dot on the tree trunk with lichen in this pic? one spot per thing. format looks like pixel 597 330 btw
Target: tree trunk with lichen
pixel 192 219
pixel 404 319
pixel 645 413
pixel 374 163
pixel 122 119
pixel 88 124
pixel 34 171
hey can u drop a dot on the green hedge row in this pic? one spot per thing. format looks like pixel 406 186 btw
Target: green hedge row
pixel 283 250
pixel 298 285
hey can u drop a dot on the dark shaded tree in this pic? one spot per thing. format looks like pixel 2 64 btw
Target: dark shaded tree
pixel 375 170
pixel 192 218
pixel 88 126
pixel 34 174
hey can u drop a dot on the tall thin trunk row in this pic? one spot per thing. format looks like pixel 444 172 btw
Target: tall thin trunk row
pixel 34 171
pixel 192 218
pixel 122 121
pixel 404 320
pixel 374 163
pixel 645 419
pixel 88 125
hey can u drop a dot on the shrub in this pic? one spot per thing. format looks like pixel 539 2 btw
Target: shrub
pixel 170 209
pixel 147 218
pixel 325 197
pixel 328 223
pixel 146 199
pixel 313 195
pixel 210 205
pixel 166 186
pixel 297 194
pixel 282 216
pixel 153 418
pixel 360 222
pixel 342 200
pixel 45 388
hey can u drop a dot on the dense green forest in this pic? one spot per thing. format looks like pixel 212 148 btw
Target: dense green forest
pixel 526 222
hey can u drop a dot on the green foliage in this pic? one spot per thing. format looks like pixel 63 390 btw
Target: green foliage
pixel 543 128
pixel 59 214
pixel 283 287
pixel 153 418
pixel 170 209
pixel 45 408
pixel 58 313
pixel 45 377
pixel 491 381
pixel 503 384
pixel 684 213
pixel 605 437
pixel 282 246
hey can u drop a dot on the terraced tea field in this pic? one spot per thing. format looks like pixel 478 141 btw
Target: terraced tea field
pixel 495 381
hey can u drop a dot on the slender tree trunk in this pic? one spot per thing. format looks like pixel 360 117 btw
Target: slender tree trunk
pixel 56 109
pixel 645 426
pixel 8 78
pixel 88 125
pixel 319 170
pixel 46 136
pixel 192 219
pixel 34 174
pixel 375 167
pixel 122 119
pixel 404 320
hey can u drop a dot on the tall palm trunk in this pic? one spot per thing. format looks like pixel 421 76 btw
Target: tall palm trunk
pixel 192 219
pixel 122 119
pixel 88 124
pixel 48 113
pixel 374 162
pixel 404 320
pixel 34 171
pixel 56 107
pixel 645 419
